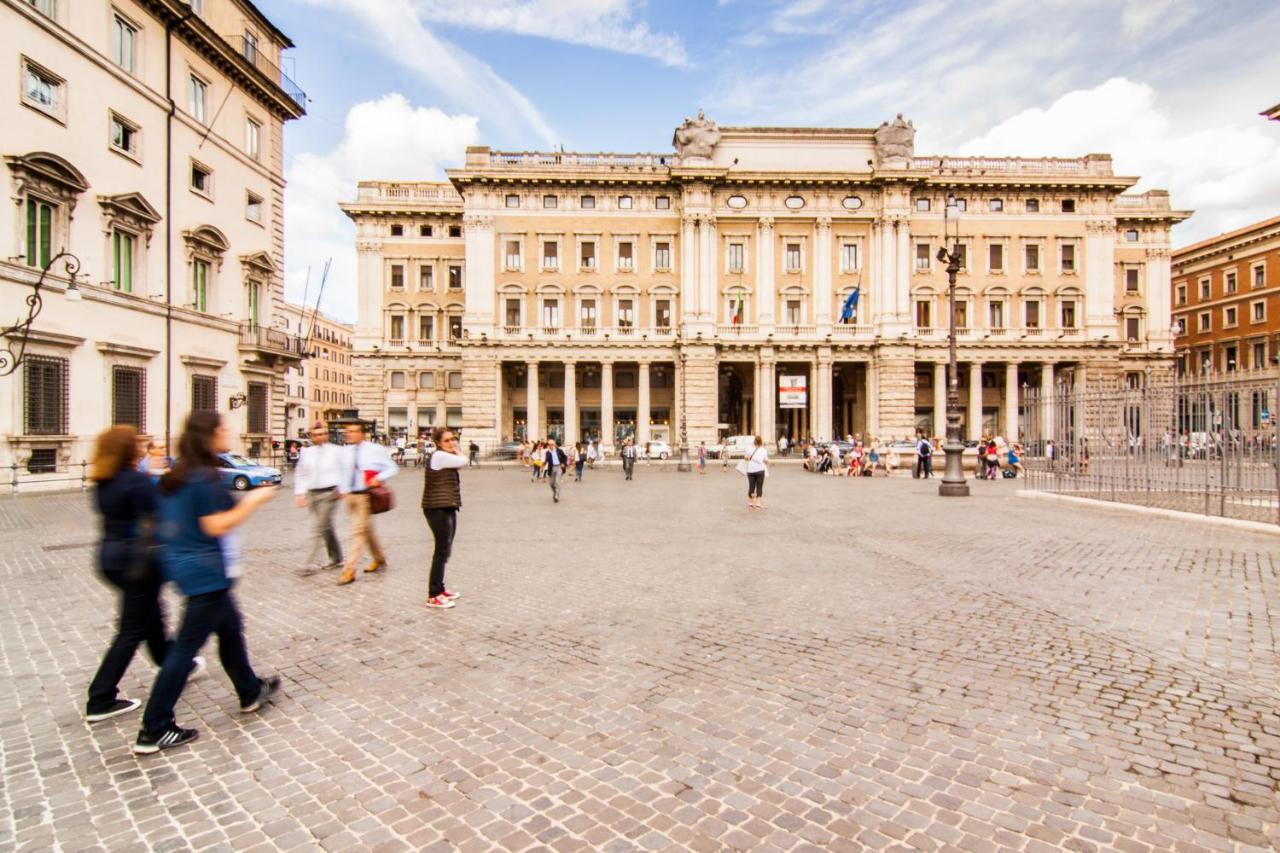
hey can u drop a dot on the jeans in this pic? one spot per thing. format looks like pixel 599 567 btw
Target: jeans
pixel 928 466
pixel 554 475
pixel 577 470
pixel 628 465
pixel 443 524
pixel 362 532
pixel 322 506
pixel 141 621
pixel 209 613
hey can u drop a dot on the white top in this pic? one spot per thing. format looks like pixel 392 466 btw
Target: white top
pixel 365 456
pixel 757 460
pixel 320 466
pixel 442 459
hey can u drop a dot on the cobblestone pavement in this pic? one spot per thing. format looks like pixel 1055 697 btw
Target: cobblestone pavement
pixel 649 666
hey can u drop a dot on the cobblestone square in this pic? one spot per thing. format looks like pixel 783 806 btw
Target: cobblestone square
pixel 649 666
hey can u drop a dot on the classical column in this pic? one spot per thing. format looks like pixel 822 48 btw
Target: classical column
pixel 533 423
pixel 768 399
pixel 689 268
pixel 499 425
pixel 570 402
pixel 823 395
pixel 822 294
pixel 975 399
pixel 1046 400
pixel 1011 401
pixel 606 404
pixel 766 301
pixel 873 400
pixel 707 269
pixel 939 399
pixel 902 269
pixel 642 405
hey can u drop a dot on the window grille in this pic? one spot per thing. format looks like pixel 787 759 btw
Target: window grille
pixel 47 395
pixel 128 396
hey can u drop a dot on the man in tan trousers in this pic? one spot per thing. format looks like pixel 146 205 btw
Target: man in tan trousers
pixel 366 465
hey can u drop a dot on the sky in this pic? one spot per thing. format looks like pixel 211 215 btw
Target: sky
pixel 398 88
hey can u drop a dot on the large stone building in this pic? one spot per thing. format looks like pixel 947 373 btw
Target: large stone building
pixel 613 294
pixel 1226 300
pixel 320 388
pixel 179 244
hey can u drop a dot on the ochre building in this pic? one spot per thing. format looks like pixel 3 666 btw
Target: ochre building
pixel 614 295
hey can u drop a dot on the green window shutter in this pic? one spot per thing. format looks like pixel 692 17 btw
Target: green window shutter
pixel 46 234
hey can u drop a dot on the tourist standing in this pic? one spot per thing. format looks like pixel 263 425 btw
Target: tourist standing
pixel 473 458
pixel 441 501
pixel 757 468
pixel 365 465
pixel 315 486
pixel 782 445
pixel 579 461
pixel 554 463
pixel 127 559
pixel 702 457
pixel 924 455
pixel 198 520
pixel 539 451
pixel 628 458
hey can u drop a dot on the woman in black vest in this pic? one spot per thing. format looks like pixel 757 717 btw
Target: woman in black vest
pixel 441 500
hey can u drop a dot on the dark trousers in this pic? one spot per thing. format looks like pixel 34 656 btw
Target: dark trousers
pixel 141 621
pixel 628 466
pixel 577 470
pixel 927 462
pixel 443 524
pixel 322 504
pixel 210 613
pixel 755 484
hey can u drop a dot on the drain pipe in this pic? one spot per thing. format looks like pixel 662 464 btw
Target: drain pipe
pixel 168 228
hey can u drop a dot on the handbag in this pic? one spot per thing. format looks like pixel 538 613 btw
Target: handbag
pixel 380 498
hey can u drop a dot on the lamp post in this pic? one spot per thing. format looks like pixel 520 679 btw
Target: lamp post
pixel 683 464
pixel 14 351
pixel 953 484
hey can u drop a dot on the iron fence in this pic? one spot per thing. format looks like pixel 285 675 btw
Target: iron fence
pixel 1206 444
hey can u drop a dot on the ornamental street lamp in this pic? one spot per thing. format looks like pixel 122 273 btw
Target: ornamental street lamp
pixel 14 352
pixel 953 484
pixel 683 464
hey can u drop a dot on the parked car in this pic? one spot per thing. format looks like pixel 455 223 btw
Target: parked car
pixel 656 450
pixel 736 446
pixel 240 474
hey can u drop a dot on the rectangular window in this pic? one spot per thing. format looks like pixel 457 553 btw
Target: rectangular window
pixel 397 276
pixel 128 396
pixel 1182 294
pixel 1033 205
pixel 122 248
pixel 587 314
pixel 962 249
pixel 455 380
pixel 587 255
pixel 200 285
pixel 1131 235
pixel 513 313
pixel 626 313
pixel 1033 257
pixel 793 257
pixel 44 7
pixel 922 205
pixel 996 205
pixel 251 47
pixel 38 249
pixel 513 254
pixel 735 257
pixel 1132 329
pixel 426 325
pixel 257 407
pixel 397 230
pixel 995 257
pixel 427 381
pixel 848 257
pixel 1031 313
pixel 624 202
pixel 1205 321
pixel 793 312
pixel 924 257
pixel 1229 317
pixel 1204 289
pixel 252 138
pixel 425 231
pixel 426 278
pixel 995 315
pixel 197 98
pixel 924 314
pixel 1131 280
pixel 124 36
pixel 512 200
pixel 397 380
pixel 42 89
pixel 962 315
pixel 124 135
pixel 455 277
pixel 204 393
pixel 455 230
pixel 254 300
pixel 455 327
pixel 46 394
pixel 662 256
pixel 550 202
pixel 1260 276
pixel 253 207
pixel 662 202
pixel 1259 309
pixel 397 328
pixel 1068 315
pixel 587 202
pixel 1259 356
pixel 1068 205
pixel 551 313
pixel 1229 283
pixel 550 255
pixel 662 313
pixel 626 257
pixel 201 179
pixel 1068 257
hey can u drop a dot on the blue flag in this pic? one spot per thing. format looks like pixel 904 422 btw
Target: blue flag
pixel 850 305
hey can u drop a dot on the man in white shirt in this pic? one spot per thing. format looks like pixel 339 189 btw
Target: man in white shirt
pixel 365 465
pixel 315 485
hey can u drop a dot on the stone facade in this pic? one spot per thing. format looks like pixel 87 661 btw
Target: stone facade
pixel 630 294
pixel 179 246
pixel 320 387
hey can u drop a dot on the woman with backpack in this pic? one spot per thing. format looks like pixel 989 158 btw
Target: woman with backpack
pixel 991 458
pixel 198 520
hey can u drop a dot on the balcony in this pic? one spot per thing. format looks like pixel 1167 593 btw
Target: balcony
pixel 254 55
pixel 737 330
pixel 269 344
pixel 849 330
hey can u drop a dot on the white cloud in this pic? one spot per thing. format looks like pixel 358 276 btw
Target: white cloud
pixel 605 24
pixel 387 139
pixel 1226 173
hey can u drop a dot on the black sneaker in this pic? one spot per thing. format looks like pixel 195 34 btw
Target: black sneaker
pixel 166 738
pixel 120 706
pixel 268 686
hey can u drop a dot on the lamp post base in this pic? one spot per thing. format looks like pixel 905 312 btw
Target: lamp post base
pixel 683 464
pixel 953 484
pixel 953 490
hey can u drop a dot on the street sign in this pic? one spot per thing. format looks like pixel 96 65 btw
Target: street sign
pixel 792 392
pixel 1266 418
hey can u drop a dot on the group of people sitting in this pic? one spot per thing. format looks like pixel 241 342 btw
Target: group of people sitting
pixel 996 458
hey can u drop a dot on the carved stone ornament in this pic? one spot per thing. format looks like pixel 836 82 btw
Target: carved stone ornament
pixel 1100 226
pixel 478 221
pixel 895 144
pixel 695 139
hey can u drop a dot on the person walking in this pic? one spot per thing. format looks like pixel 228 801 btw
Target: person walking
pixel 591 454
pixel 554 463
pixel 539 453
pixel 125 497
pixel 473 460
pixel 782 445
pixel 702 457
pixel 579 462
pixel 756 466
pixel 365 465
pixel 628 458
pixel 441 502
pixel 315 485
pixel 198 518
pixel 924 457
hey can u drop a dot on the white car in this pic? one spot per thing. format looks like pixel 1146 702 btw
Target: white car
pixel 738 446
pixel 656 450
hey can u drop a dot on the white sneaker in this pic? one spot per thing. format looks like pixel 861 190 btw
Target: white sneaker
pixel 198 667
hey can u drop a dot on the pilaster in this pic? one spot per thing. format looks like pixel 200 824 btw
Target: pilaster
pixel 570 402
pixel 532 413
pixel 1100 279
pixel 606 404
pixel 822 294
pixel 767 287
pixel 895 393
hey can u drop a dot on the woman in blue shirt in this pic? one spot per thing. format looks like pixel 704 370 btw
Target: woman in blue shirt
pixel 197 521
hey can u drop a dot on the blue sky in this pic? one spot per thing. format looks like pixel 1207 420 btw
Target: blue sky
pixel 1172 88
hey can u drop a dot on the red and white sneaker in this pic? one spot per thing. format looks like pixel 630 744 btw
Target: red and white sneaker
pixel 440 601
pixel 450 595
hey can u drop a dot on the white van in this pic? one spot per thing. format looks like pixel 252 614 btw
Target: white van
pixel 738 446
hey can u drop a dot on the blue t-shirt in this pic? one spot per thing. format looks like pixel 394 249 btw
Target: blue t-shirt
pixel 192 559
